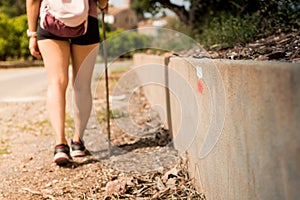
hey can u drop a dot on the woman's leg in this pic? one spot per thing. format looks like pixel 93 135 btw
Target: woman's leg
pixel 56 57
pixel 83 61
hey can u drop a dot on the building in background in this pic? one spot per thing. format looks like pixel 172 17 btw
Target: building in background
pixel 122 17
pixel 152 26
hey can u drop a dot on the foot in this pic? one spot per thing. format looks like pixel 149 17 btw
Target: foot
pixel 62 154
pixel 78 149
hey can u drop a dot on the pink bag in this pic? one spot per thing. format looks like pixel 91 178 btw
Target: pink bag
pixel 64 18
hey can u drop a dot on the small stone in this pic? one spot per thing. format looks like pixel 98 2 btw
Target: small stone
pixel 48 184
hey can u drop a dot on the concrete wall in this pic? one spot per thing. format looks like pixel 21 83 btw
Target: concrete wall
pixel 239 121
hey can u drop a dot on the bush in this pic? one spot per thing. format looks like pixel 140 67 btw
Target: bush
pixel 4 37
pixel 13 40
pixel 226 30
pixel 20 46
pixel 122 43
pixel 237 22
pixel 279 15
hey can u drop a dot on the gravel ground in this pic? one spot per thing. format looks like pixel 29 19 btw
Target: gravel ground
pixel 143 164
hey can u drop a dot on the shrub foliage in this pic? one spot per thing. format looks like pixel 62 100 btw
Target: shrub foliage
pixel 213 23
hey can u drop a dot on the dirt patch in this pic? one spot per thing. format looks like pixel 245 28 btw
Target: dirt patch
pixel 143 164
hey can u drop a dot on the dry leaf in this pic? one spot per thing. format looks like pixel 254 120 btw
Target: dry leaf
pixel 171 183
pixel 160 184
pixel 172 171
pixel 118 186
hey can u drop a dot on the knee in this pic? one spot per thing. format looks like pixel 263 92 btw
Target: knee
pixel 58 83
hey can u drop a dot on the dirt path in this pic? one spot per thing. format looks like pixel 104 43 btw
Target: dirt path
pixel 143 166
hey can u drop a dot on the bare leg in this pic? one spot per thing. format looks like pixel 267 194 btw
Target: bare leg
pixel 56 56
pixel 83 61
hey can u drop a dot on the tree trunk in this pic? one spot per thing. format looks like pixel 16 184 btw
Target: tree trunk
pixel 180 11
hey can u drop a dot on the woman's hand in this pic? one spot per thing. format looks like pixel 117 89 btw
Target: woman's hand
pixel 33 47
pixel 103 4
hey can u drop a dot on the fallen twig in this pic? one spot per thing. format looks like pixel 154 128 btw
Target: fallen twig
pixel 31 191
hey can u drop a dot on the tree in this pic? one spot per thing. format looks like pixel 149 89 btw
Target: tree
pixel 201 11
pixel 12 8
pixel 227 23
pixel 198 10
pixel 121 43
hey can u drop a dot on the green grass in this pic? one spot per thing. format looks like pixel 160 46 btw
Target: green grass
pixel 42 125
pixel 4 149
pixel 120 70
pixel 38 126
pixel 114 114
pixel 25 128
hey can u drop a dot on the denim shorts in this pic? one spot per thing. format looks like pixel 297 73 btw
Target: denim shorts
pixel 90 37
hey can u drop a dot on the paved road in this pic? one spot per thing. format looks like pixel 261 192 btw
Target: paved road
pixel 24 84
pixel 29 84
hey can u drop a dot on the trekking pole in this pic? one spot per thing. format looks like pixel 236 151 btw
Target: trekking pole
pixel 106 82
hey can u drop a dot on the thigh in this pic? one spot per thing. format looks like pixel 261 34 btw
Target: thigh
pixel 83 60
pixel 91 36
pixel 56 57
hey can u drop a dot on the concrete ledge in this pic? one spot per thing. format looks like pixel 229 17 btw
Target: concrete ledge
pixel 245 143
